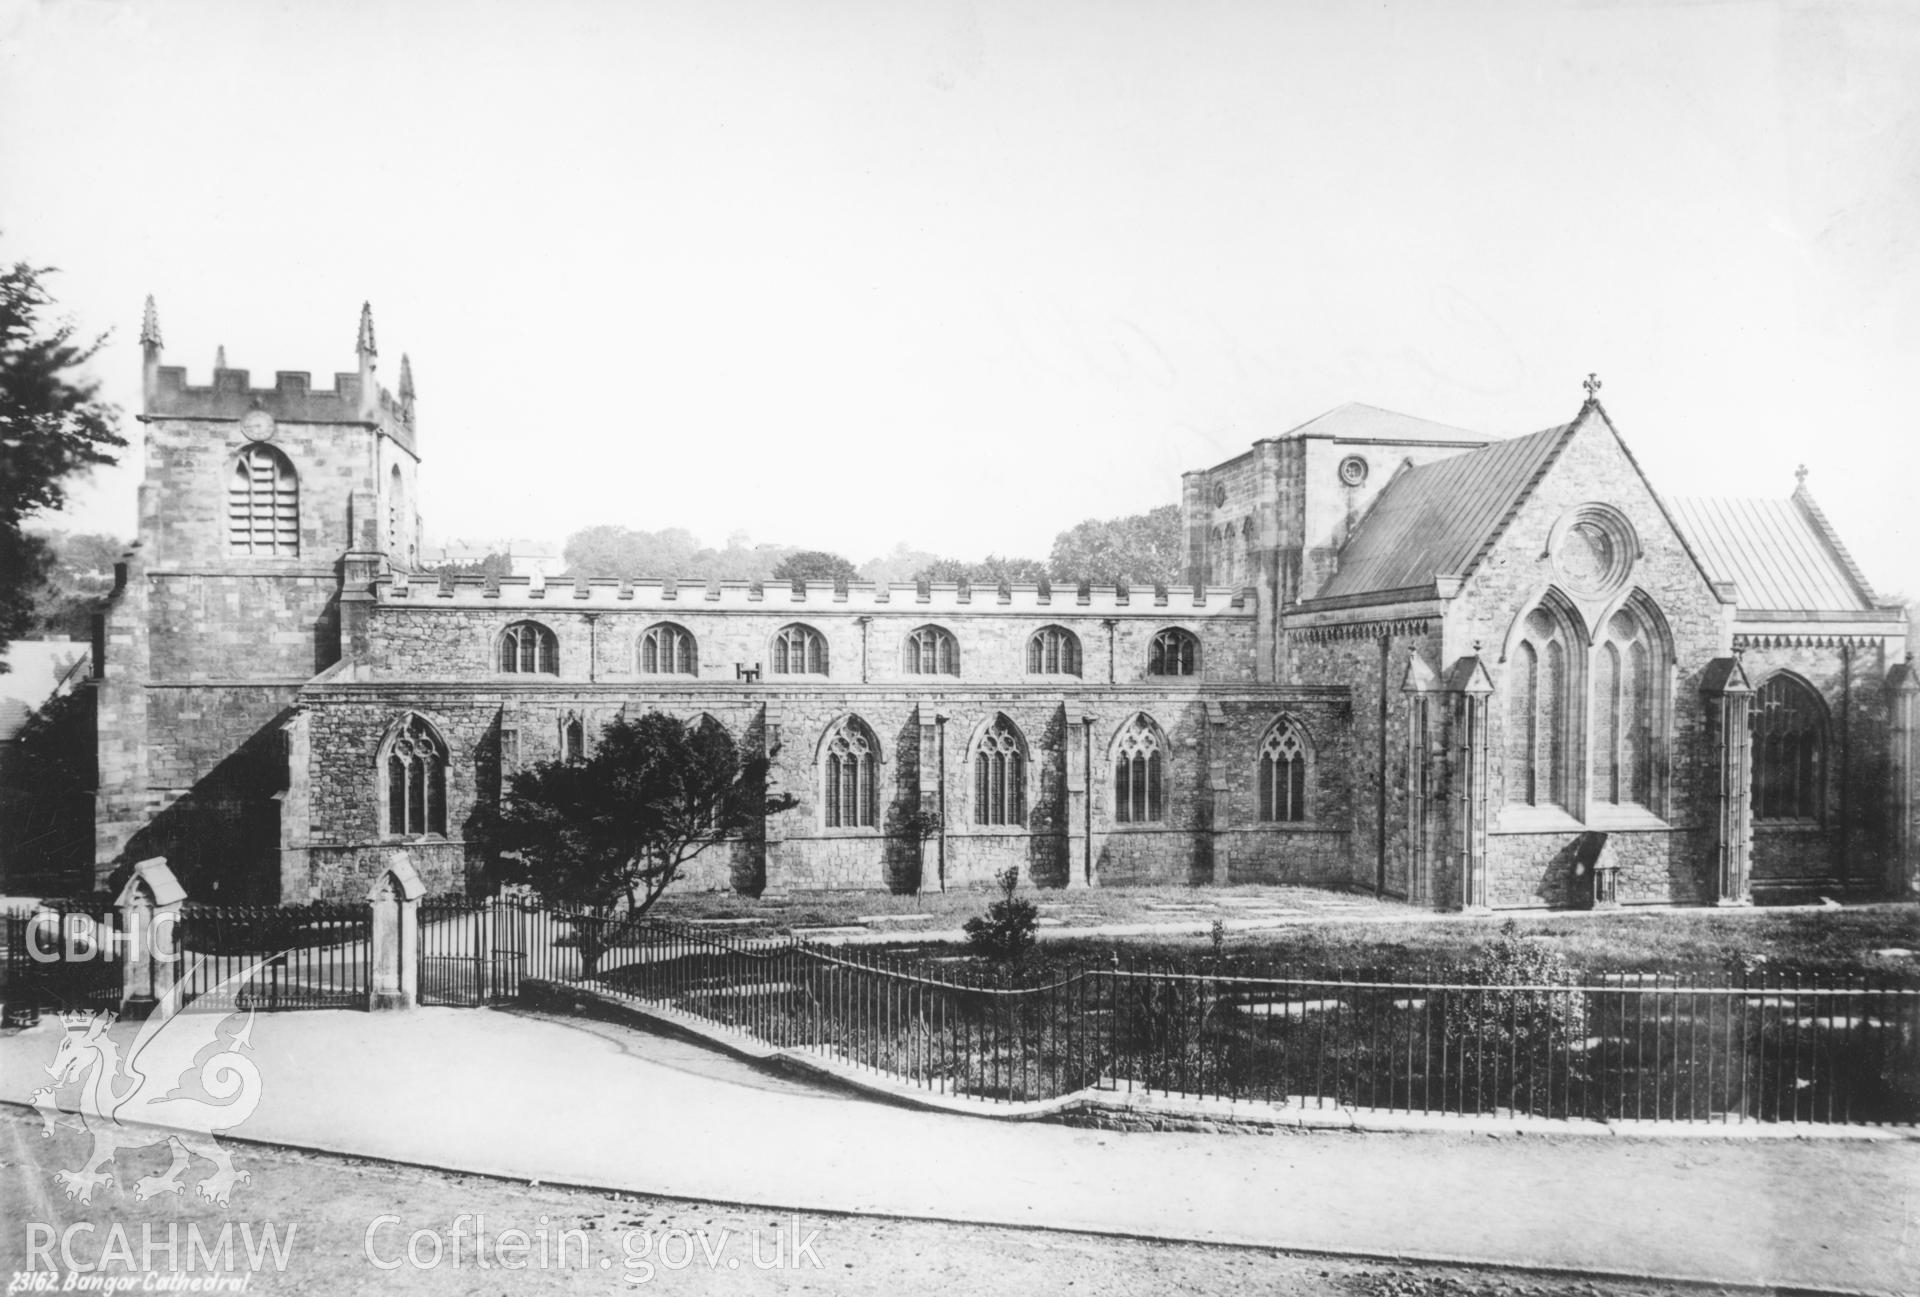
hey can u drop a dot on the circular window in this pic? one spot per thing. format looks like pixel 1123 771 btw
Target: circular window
pixel 1219 495
pixel 1593 548
pixel 1353 470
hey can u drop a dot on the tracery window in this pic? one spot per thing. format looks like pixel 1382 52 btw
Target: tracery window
pixel 1283 774
pixel 1628 669
pixel 799 650
pixel 1539 693
pixel 1789 751
pixel 849 776
pixel 1000 776
pixel 263 504
pixel 1053 651
pixel 668 649
pixel 932 651
pixel 528 648
pixel 1139 774
pixel 416 771
pixel 1174 652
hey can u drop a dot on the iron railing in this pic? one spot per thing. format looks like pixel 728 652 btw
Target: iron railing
pixel 1695 1047
pixel 1782 1048
pixel 314 956
pixel 62 958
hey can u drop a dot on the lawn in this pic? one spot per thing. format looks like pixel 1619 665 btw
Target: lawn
pixel 1329 929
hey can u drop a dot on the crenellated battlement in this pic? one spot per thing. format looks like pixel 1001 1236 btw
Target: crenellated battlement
pixel 291 399
pixel 818 597
pixel 356 397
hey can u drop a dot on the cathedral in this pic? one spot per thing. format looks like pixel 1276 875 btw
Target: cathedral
pixel 1408 659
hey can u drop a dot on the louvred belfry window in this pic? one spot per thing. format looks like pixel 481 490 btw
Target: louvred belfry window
pixel 263 504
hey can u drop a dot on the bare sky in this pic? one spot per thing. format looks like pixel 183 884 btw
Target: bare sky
pixel 960 274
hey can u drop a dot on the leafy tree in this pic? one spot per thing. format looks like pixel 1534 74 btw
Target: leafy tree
pixel 672 553
pixel 494 565
pixel 993 570
pixel 46 793
pixel 898 567
pixel 1140 549
pixel 77 576
pixel 52 425
pixel 603 837
pixel 816 565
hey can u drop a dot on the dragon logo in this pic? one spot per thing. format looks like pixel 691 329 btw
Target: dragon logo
pixel 139 1101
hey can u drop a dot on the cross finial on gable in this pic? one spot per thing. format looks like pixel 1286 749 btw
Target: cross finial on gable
pixel 1800 476
pixel 1592 384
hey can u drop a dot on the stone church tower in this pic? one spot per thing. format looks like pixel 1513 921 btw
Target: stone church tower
pixel 244 583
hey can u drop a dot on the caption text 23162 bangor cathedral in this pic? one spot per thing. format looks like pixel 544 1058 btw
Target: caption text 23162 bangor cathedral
pixel 1408 657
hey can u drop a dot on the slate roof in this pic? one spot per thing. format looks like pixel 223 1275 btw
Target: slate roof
pixel 1355 421
pixel 1781 554
pixel 1436 519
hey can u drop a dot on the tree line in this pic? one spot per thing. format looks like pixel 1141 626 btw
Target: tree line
pixel 1135 549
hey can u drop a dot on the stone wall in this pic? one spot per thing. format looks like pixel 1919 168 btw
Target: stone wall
pixel 416 640
pixel 1845 849
pixel 1212 740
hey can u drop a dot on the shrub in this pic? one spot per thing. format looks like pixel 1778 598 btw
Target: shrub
pixel 1511 1012
pixel 1007 931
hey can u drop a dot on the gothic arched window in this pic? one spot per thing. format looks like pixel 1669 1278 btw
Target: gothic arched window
pixel 799 651
pixel 931 651
pixel 528 648
pixel 1540 693
pixel 573 739
pixel 1053 651
pixel 415 762
pixel 1000 775
pixel 849 776
pixel 1629 683
pixel 1789 751
pixel 1139 774
pixel 1174 652
pixel 263 504
pixel 668 649
pixel 1283 774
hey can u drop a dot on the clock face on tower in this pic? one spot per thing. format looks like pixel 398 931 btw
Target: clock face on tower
pixel 257 425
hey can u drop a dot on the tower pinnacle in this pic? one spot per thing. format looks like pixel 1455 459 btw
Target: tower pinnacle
pixel 150 326
pixel 364 344
pixel 406 379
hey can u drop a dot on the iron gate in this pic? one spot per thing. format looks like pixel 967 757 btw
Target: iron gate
pixel 472 952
